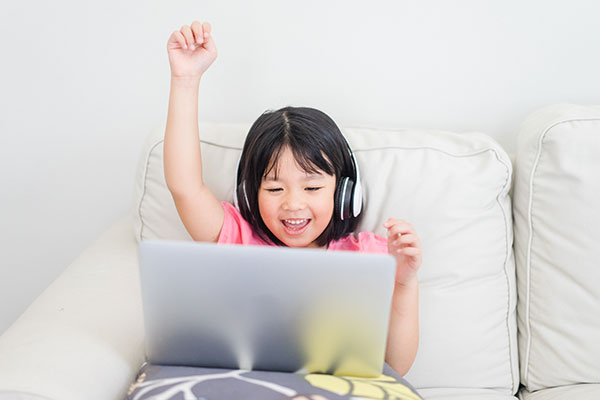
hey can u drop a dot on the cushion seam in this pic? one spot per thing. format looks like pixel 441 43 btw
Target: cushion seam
pixel 505 264
pixel 355 149
pixel 144 189
pixel 506 260
pixel 473 153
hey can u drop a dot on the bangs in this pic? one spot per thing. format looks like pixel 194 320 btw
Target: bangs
pixel 310 159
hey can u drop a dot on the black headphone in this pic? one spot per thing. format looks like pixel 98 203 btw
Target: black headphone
pixel 349 193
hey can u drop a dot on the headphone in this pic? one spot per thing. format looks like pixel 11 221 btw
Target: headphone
pixel 349 193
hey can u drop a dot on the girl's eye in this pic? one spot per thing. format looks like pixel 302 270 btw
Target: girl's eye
pixel 310 189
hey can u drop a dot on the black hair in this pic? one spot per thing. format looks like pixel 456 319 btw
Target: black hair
pixel 316 143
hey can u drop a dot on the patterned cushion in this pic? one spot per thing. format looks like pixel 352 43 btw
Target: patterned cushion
pixel 158 382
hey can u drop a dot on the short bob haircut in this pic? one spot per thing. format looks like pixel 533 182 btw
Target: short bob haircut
pixel 316 143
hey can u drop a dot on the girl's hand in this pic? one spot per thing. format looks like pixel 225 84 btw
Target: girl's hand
pixel 191 62
pixel 404 245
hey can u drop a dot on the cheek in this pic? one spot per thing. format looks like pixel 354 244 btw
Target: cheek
pixel 265 207
pixel 326 203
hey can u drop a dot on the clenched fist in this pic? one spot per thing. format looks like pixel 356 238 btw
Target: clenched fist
pixel 191 50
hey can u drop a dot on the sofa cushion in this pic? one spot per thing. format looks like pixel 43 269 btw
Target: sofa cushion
pixel 82 338
pixel 578 392
pixel 168 382
pixel 557 236
pixel 11 395
pixel 450 393
pixel 453 188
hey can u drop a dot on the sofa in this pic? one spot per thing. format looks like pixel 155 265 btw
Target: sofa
pixel 509 300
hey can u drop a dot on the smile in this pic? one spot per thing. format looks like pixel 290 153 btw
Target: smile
pixel 295 226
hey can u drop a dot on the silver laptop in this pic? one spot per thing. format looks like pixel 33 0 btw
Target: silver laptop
pixel 265 308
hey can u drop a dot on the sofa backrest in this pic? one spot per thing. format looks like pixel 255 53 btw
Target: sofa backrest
pixel 557 246
pixel 453 188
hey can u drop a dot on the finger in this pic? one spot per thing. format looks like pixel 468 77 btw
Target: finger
pixel 207 28
pixel 392 239
pixel 198 33
pixel 393 221
pixel 400 228
pixel 209 43
pixel 407 239
pixel 186 31
pixel 178 37
pixel 410 251
pixel 390 221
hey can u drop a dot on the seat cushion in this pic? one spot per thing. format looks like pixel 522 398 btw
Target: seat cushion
pixel 557 232
pixel 168 382
pixel 453 188
pixel 464 394
pixel 11 395
pixel 579 392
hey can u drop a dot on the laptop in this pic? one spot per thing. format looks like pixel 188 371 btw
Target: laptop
pixel 265 308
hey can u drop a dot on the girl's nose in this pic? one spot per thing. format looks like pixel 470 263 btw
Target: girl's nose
pixel 293 202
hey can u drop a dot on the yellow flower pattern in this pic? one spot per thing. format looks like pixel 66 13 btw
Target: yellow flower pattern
pixel 382 387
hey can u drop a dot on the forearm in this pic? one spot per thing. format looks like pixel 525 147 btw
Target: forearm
pixel 182 157
pixel 403 333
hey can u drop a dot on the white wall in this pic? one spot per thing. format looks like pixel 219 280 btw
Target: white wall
pixel 82 83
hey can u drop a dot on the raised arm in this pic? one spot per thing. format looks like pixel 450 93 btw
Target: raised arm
pixel 191 51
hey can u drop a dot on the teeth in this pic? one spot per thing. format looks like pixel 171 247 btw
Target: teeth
pixel 295 221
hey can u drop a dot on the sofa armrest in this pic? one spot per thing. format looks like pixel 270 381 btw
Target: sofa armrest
pixel 83 337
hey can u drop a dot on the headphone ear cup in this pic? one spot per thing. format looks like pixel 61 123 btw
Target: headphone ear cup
pixel 357 199
pixel 241 189
pixel 339 199
pixel 348 203
pixel 344 199
pixel 245 195
pixel 235 196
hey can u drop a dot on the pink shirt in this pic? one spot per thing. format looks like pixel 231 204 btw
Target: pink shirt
pixel 236 230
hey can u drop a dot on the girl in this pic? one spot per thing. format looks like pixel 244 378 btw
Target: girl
pixel 288 179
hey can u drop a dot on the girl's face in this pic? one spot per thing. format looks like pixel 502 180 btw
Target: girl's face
pixel 298 206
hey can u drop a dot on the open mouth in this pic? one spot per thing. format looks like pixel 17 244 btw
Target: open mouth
pixel 295 226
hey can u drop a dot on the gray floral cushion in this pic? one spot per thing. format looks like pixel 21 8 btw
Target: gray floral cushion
pixel 160 382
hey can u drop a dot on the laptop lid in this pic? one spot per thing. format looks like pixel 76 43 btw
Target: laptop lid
pixel 265 308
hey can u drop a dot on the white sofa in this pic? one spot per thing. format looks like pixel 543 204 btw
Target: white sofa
pixel 497 321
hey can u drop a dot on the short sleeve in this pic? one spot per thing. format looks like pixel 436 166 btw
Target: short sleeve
pixel 236 230
pixel 371 243
pixel 364 242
